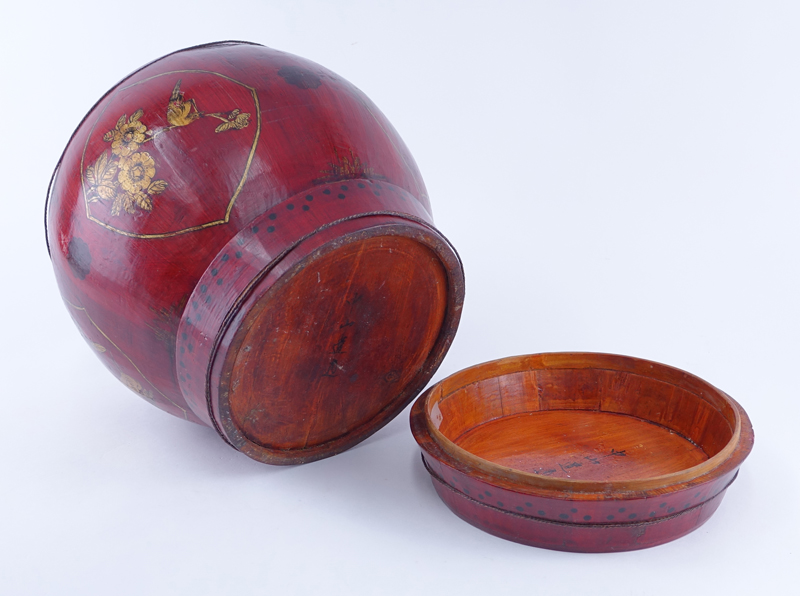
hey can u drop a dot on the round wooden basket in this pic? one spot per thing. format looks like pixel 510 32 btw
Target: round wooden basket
pixel 246 243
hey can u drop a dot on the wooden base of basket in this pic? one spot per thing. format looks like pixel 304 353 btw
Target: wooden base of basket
pixel 300 341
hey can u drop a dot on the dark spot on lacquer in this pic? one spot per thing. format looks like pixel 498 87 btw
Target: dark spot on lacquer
pixel 79 258
pixel 300 77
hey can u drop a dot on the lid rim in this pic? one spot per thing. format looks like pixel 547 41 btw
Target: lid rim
pixel 437 445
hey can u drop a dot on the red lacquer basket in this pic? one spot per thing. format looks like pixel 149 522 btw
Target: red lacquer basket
pixel 247 243
pixel 581 452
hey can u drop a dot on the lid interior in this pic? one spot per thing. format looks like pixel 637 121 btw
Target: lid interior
pixel 583 418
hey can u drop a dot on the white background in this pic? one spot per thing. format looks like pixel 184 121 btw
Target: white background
pixel 618 177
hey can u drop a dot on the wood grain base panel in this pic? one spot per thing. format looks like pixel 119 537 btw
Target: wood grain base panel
pixel 326 352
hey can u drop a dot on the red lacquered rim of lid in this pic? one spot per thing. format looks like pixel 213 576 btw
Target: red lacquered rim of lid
pixel 438 445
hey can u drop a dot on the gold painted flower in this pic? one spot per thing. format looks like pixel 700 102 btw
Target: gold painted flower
pixel 125 175
pixel 136 184
pixel 136 172
pixel 127 135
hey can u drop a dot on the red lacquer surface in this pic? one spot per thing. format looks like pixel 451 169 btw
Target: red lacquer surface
pixel 200 180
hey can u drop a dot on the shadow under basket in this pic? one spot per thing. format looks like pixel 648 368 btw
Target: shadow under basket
pixel 581 452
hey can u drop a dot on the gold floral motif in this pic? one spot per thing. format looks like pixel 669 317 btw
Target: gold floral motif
pixel 135 386
pixel 127 135
pixel 136 172
pixel 126 177
pixel 101 177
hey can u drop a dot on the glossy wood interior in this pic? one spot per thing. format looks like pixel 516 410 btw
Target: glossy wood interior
pixel 542 420
pixel 582 444
pixel 327 350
